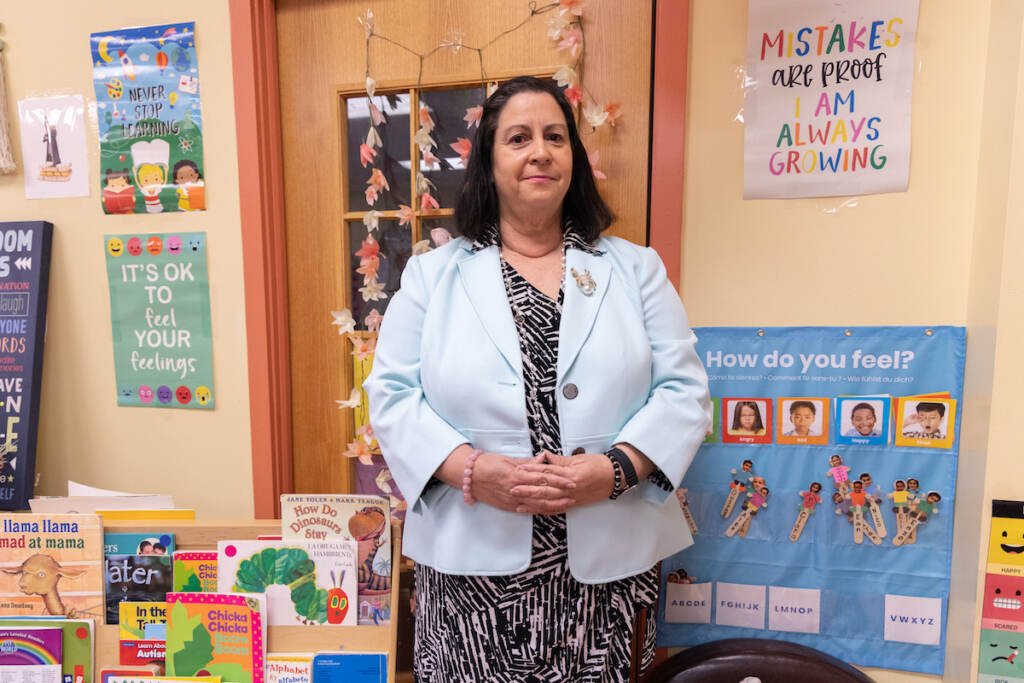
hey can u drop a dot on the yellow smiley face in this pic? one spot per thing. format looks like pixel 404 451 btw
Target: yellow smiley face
pixel 114 246
pixel 202 395
pixel 1006 542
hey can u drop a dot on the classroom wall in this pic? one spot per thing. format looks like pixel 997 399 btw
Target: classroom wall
pixel 941 253
pixel 203 458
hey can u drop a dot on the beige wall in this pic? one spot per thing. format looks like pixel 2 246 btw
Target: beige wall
pixel 966 184
pixel 203 458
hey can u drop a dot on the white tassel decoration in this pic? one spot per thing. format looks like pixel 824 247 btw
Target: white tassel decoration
pixel 6 155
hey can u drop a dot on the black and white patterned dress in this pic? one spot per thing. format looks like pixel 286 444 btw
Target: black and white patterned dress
pixel 540 625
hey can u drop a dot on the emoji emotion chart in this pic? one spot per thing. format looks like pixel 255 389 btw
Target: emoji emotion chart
pixel 1002 603
pixel 146 81
pixel 160 315
pixel 821 502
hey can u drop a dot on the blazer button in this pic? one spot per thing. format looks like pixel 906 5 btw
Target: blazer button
pixel 570 391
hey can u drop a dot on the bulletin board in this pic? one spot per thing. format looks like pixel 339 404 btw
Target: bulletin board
pixel 863 576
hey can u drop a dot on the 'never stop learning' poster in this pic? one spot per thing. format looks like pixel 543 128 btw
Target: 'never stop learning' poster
pixel 821 503
pixel 150 125
pixel 827 97
pixel 160 313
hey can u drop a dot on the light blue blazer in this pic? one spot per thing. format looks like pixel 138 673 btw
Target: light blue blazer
pixel 448 371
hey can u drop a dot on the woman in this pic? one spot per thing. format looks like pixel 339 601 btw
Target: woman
pixel 536 394
pixel 746 419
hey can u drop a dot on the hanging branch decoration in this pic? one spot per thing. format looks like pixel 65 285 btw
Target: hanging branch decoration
pixel 6 153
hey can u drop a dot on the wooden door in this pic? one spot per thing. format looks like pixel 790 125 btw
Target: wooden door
pixel 322 56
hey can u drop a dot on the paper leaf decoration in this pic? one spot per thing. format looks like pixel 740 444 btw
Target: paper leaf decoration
pixel 405 214
pixel 363 347
pixel 425 120
pixel 423 139
pixel 371 87
pixel 373 319
pixel 566 76
pixel 595 115
pixel 421 247
pixel 366 153
pixel 573 6
pixel 372 291
pixel 354 399
pixel 572 40
pixel 429 160
pixel 359 449
pixel 614 113
pixel 463 147
pixel 373 139
pixel 376 115
pixel 343 319
pixel 427 202
pixel 371 220
pixel 593 158
pixel 440 236
pixel 575 95
pixel 557 23
pixel 472 117
pixel 367 23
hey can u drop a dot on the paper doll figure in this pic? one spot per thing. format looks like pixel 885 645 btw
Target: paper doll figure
pixel 900 500
pixel 757 499
pixel 118 193
pixel 808 500
pixel 738 486
pixel 925 509
pixel 873 492
pixel 913 498
pixel 52 169
pixel 842 506
pixel 685 505
pixel 756 484
pixel 680 576
pixel 858 503
pixel 149 164
pixel 840 473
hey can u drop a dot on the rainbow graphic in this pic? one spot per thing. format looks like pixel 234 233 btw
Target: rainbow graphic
pixel 20 649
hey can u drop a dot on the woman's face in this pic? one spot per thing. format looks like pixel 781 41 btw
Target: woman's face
pixel 532 158
pixel 747 417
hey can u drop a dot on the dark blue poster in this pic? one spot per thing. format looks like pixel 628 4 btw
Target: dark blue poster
pixel 24 279
pixel 821 504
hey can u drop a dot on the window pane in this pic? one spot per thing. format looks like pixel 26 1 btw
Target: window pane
pixel 392 159
pixel 394 246
pixel 448 109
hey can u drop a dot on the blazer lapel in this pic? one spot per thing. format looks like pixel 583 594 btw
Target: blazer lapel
pixel 578 309
pixel 481 277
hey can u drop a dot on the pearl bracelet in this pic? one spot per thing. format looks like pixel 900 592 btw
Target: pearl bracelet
pixel 467 479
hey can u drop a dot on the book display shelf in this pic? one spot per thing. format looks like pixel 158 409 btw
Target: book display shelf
pixel 201 535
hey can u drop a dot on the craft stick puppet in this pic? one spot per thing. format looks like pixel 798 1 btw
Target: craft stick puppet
pixel 741 480
pixel 757 499
pixel 842 506
pixel 840 473
pixel 685 506
pixel 858 502
pixel 873 492
pixel 900 498
pixel 925 509
pixel 808 500
pixel 913 498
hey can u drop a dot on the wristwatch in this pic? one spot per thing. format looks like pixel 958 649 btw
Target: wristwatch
pixel 625 473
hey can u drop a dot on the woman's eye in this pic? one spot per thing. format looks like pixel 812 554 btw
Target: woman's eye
pixel 555 137
pixel 517 139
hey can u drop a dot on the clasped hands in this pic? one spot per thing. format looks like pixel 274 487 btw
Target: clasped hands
pixel 546 484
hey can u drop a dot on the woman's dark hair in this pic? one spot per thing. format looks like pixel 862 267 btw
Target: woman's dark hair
pixel 740 405
pixel 477 206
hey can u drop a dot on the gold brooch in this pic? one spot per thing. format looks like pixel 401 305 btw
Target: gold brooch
pixel 585 282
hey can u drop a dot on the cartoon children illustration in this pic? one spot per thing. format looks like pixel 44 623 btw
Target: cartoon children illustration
pixel 685 506
pixel 808 500
pixel 873 493
pixel 149 159
pixel 925 509
pixel 680 576
pixel 926 422
pixel 118 193
pixel 191 190
pixel 840 473
pixel 739 484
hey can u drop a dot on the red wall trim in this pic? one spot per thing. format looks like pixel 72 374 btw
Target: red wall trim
pixel 261 196
pixel 671 44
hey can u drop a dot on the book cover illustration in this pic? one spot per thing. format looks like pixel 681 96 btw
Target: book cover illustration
pixel 136 578
pixel 51 565
pixel 30 655
pixel 216 634
pixel 24 283
pixel 305 582
pixel 77 644
pixel 362 518
pixel 142 631
pixel 195 572
pixel 289 667
pixel 31 646
pixel 350 667
pixel 138 544
pixel 106 674
pixel 149 677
